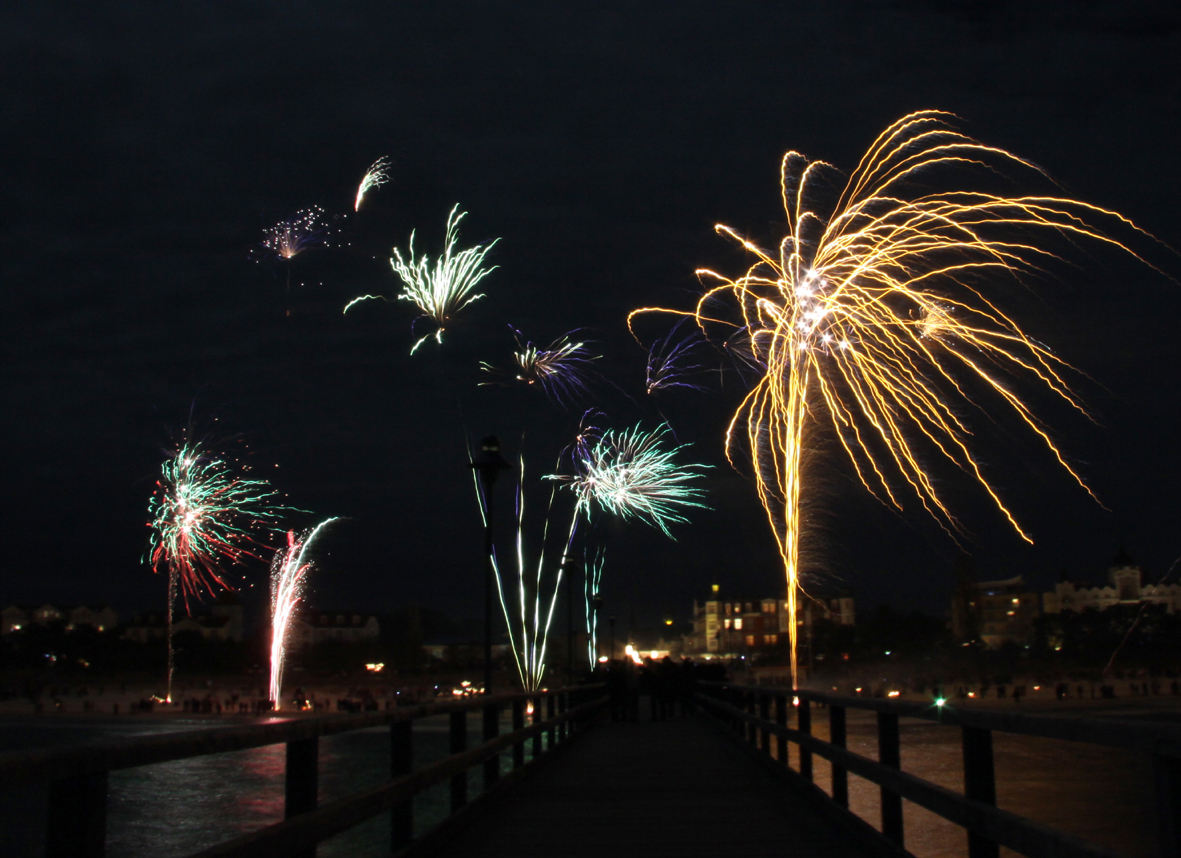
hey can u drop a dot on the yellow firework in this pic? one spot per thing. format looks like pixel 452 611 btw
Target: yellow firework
pixel 872 317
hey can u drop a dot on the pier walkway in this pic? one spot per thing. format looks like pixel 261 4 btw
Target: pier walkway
pixel 648 789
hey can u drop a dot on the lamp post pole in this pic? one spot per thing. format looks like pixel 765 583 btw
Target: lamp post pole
pixel 488 464
pixel 572 564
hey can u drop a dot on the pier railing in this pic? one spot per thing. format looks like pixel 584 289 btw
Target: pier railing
pixel 759 713
pixel 78 777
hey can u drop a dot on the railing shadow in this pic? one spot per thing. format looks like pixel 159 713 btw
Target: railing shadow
pixel 756 714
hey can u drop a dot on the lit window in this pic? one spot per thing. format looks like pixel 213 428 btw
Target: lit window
pixel 726 623
pixel 772 639
pixel 750 640
pixel 738 623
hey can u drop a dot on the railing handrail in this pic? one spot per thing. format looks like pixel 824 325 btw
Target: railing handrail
pixel 19 768
pixel 1020 833
pixel 290 835
pixel 1161 739
pixel 975 810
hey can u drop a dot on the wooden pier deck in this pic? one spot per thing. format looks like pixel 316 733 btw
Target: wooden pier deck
pixel 650 789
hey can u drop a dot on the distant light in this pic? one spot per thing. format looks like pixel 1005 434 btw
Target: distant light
pixel 795 701
pixel 668 622
pixel 894 694
pixel 971 693
pixel 887 652
pixel 375 666
pixel 939 701
pixel 603 659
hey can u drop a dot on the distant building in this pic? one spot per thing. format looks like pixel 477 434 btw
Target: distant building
pixel 995 612
pixel 16 617
pixel 725 626
pixel 313 627
pixel 1125 587
pixel 222 622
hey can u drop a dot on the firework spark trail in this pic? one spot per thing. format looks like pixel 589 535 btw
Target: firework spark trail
pixel 870 314
pixel 633 475
pixel 564 369
pixel 289 571
pixel 203 512
pixel 288 238
pixel 443 289
pixel 592 578
pixel 669 364
pixel 629 474
pixel 375 176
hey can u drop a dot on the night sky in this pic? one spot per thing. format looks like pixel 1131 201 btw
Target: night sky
pixel 146 146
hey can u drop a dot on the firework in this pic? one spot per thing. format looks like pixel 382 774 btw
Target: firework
pixel 204 512
pixel 443 289
pixel 288 238
pixel 289 571
pixel 871 316
pixel 633 475
pixel 563 369
pixel 669 362
pixel 592 566
pixel 376 176
pixel 644 482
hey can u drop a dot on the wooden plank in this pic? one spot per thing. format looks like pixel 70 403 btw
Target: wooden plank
pixel 645 789
pixel 38 766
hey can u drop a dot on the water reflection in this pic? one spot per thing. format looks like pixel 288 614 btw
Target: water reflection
pixel 1103 795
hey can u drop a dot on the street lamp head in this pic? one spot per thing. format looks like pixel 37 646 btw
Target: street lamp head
pixel 488 462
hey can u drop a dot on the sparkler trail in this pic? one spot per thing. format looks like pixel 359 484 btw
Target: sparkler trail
pixel 564 369
pixel 375 176
pixel 289 571
pixel 632 475
pixel 203 513
pixel 669 361
pixel 629 474
pixel 871 316
pixel 592 578
pixel 443 289
pixel 289 238
pixel 626 473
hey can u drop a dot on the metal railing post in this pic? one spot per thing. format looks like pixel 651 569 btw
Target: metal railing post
pixel 889 754
pixel 538 715
pixel 781 720
pixel 752 730
pixel 564 727
pixel 804 723
pixel 836 736
pixel 491 731
pixel 765 714
pixel 518 724
pixel 979 784
pixel 458 746
pixel 302 781
pixel 76 825
pixel 1167 776
pixel 551 705
pixel 401 764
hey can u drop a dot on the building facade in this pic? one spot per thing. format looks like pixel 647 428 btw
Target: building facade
pixel 16 617
pixel 727 626
pixel 313 627
pixel 995 612
pixel 1125 586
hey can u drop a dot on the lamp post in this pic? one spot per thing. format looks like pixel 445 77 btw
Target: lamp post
pixel 597 603
pixel 488 463
pixel 571 564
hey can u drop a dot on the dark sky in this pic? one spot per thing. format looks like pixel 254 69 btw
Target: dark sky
pixel 145 146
